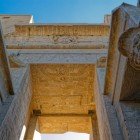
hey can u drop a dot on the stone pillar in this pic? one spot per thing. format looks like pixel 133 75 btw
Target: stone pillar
pixel 94 135
pixel 32 129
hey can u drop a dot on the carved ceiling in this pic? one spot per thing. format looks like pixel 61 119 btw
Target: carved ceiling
pixel 62 88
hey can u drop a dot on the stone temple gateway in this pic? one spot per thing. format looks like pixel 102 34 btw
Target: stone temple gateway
pixel 71 77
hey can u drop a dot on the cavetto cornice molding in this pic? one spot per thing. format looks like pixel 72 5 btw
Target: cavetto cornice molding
pixel 62 29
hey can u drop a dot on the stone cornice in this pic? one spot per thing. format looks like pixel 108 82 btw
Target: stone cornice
pixel 67 29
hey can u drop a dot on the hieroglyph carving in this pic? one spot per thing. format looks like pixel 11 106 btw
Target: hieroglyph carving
pixel 63 88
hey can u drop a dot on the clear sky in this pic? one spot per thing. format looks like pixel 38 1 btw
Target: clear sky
pixel 62 11
pixel 66 136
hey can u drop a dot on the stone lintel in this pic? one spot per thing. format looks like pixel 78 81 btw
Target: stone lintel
pixel 62 124
pixel 60 56
pixel 129 46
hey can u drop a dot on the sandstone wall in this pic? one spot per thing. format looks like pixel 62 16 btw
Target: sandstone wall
pixel 109 128
pixel 14 114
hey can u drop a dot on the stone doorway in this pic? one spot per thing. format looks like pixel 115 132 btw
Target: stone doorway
pixel 63 99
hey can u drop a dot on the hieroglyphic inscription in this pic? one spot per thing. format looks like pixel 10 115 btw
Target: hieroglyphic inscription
pixel 63 88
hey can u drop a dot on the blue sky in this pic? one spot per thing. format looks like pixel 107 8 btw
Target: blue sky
pixel 62 11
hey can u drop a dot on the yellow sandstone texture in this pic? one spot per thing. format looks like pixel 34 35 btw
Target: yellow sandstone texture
pixel 62 124
pixel 63 88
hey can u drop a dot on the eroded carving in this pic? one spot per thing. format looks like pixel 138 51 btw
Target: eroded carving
pixel 15 62
pixel 63 88
pixel 65 39
pixel 129 46
pixel 135 55
pixel 101 62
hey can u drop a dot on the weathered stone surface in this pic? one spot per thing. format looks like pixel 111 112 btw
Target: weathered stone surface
pixel 58 56
pixel 131 115
pixel 63 88
pixel 56 42
pixel 108 124
pixel 17 112
pixel 18 76
pixel 124 17
pixel 120 68
pixel 62 124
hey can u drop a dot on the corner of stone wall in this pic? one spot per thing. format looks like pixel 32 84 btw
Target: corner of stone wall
pixel 109 127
